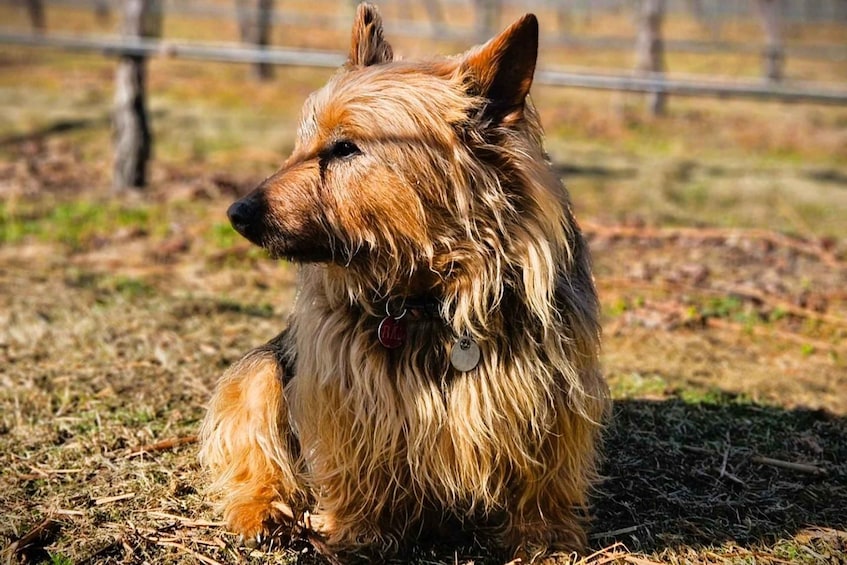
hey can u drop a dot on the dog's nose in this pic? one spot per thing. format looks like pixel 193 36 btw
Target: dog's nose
pixel 241 214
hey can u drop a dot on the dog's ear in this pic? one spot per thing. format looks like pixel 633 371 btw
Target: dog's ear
pixel 367 45
pixel 502 69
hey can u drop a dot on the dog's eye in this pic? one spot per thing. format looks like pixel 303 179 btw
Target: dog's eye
pixel 344 150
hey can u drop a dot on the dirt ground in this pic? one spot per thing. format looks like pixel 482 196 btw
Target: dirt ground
pixel 720 249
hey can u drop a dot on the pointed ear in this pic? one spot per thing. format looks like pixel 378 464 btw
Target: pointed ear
pixel 502 69
pixel 367 45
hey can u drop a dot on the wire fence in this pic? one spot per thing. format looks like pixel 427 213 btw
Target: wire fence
pixel 793 11
pixel 137 45
pixel 711 14
pixel 235 53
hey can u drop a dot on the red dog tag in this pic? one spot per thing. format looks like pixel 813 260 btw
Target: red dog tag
pixel 392 332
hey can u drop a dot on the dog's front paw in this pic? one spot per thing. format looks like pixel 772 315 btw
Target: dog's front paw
pixel 254 521
pixel 322 524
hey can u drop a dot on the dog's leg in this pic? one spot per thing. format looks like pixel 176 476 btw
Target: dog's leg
pixel 248 446
pixel 550 509
pixel 540 527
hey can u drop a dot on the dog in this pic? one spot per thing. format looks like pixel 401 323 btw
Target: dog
pixel 441 362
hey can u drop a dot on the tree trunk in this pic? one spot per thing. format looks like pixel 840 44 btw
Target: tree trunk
pixel 650 50
pixel 132 137
pixel 255 18
pixel 774 55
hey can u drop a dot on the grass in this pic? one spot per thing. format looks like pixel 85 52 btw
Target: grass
pixel 73 223
pixel 724 353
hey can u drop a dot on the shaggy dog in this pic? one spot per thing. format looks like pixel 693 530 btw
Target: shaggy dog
pixel 441 362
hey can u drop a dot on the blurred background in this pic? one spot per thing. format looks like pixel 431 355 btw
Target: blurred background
pixel 704 143
pixel 778 69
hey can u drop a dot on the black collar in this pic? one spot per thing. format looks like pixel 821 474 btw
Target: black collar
pixel 420 306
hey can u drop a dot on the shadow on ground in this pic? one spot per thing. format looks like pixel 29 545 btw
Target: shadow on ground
pixel 709 472
pixel 713 472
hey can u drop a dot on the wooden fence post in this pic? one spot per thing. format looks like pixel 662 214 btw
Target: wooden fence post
pixel 132 137
pixel 242 14
pixel 434 13
pixel 102 11
pixel 650 50
pixel 35 9
pixel 705 18
pixel 254 25
pixel 264 71
pixel 487 13
pixel 774 54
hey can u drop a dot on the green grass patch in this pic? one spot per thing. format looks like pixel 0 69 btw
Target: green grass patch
pixel 59 559
pixel 222 235
pixel 213 307
pixel 130 287
pixel 732 308
pixel 633 385
pixel 711 396
pixel 105 285
pixel 73 224
pixel 263 310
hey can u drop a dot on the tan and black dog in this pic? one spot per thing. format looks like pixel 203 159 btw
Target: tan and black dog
pixel 441 363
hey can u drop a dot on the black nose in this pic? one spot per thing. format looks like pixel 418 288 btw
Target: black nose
pixel 241 214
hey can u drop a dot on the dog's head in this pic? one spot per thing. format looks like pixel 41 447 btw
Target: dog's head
pixel 402 161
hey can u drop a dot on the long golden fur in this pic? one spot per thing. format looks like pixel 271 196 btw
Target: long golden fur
pixel 409 179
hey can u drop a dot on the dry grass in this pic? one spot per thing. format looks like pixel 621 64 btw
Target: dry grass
pixel 724 344
pixel 115 327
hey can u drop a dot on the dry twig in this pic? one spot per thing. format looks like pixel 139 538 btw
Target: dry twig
pixel 615 552
pixel 612 533
pixel 42 532
pixel 182 547
pixel 777 303
pixel 771 333
pixel 183 521
pixel 724 472
pixel 111 499
pixel 639 560
pixel 66 512
pixel 806 247
pixel 163 445
pixel 772 301
pixel 760 459
pixel 800 467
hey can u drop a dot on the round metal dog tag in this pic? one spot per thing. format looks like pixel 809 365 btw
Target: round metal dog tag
pixel 391 332
pixel 465 354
